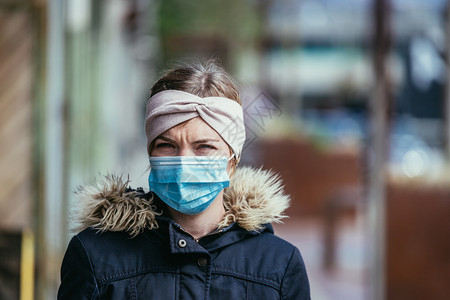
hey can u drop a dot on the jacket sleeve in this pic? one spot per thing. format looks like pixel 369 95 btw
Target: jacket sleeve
pixel 295 282
pixel 77 276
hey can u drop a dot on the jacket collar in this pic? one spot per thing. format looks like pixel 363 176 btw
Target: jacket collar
pixel 255 197
pixel 211 242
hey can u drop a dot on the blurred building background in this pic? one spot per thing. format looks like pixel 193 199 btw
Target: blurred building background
pixel 347 99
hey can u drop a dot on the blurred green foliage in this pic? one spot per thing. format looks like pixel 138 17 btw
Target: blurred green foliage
pixel 231 24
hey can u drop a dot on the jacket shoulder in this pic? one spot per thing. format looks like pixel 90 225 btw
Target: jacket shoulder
pixel 278 244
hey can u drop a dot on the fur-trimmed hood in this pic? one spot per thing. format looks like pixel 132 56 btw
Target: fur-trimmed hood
pixel 254 197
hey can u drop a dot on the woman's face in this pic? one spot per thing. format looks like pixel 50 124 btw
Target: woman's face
pixel 191 138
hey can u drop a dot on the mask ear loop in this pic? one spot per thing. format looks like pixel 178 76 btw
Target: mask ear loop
pixel 235 165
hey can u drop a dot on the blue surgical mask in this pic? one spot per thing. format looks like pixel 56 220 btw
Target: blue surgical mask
pixel 188 184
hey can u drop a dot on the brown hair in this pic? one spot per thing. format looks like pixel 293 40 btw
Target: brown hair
pixel 207 79
pixel 204 80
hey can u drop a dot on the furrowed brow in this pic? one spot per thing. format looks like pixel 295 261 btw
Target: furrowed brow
pixel 205 141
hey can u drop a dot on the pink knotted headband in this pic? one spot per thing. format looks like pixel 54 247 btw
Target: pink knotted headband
pixel 169 108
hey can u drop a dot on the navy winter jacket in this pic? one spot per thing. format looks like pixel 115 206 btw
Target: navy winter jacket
pixel 130 250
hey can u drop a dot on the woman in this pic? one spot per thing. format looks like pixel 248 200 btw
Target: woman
pixel 203 231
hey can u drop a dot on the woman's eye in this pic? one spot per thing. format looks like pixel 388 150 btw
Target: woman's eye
pixel 205 147
pixel 164 145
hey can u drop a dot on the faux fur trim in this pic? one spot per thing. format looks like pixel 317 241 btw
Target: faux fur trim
pixel 254 197
pixel 109 206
